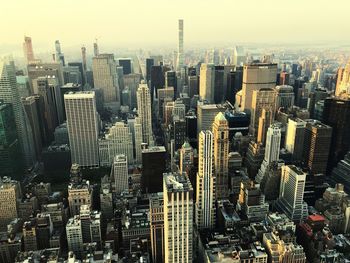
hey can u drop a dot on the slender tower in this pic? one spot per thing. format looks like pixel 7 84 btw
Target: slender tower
pixel 83 55
pixel 145 112
pixel 220 152
pixel 205 194
pixel 28 49
pixel 180 52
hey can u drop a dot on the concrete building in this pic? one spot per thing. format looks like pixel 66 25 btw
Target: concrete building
pixel 74 235
pixel 79 194
pixel 180 50
pixel 206 114
pixel 285 97
pixel 83 127
pixel 294 142
pixel 119 173
pixel 145 113
pixel 157 227
pixel 207 82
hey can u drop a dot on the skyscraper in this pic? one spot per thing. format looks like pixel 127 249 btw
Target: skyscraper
pixel 59 55
pixel 82 124
pixel 145 112
pixel 28 49
pixel 294 142
pixel 207 82
pixel 9 94
pixel 120 173
pixel 291 195
pixel 263 99
pixel 180 51
pixel 178 218
pixel 186 157
pixel 256 76
pixel 156 206
pixel 104 69
pixel 206 115
pixel 239 58
pixel 221 150
pixel 317 142
pixel 206 192
pixel 74 235
pixel 285 97
pixel 343 80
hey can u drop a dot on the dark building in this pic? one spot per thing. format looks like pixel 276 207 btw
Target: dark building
pixel 43 230
pixel 157 80
pixel 238 122
pixel 219 92
pixel 179 132
pixel 57 158
pixel 153 167
pixel 336 113
pixel 90 78
pixel 149 64
pixel 314 97
pixel 193 86
pixel 191 128
pixel 126 64
pixel 234 84
pixel 283 79
pixel 171 81
pixel 81 70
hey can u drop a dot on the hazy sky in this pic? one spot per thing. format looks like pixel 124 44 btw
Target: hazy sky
pixel 139 23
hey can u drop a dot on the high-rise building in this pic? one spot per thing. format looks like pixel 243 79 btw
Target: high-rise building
pixel 153 167
pixel 119 173
pixel 79 193
pixel 336 114
pixel 9 94
pixel 178 218
pixel 343 80
pixel 104 69
pixel 53 71
pixel 118 140
pixel 74 235
pixel 285 97
pixel 59 57
pixel 234 80
pixel 10 191
pixel 221 150
pixel 317 142
pixel 206 182
pixel 156 206
pixel 28 49
pixel 82 124
pixel 149 64
pixel 207 82
pixel 291 195
pixel 239 57
pixel 131 82
pixel 262 99
pixel 193 86
pixel 186 157
pixel 145 112
pixel 206 115
pixel 10 151
pixel 180 50
pixel 256 76
pixel 294 142
pixel 126 63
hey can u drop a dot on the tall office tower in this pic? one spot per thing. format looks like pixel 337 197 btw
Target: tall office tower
pixel 145 112
pixel 138 140
pixel 294 142
pixel 28 49
pixel 149 65
pixel 59 55
pixel 251 202
pixel 153 167
pixel 120 174
pixel 256 76
pixel 74 235
pixel 157 79
pixel 96 49
pixel 206 114
pixel 126 63
pixel 83 58
pixel 317 142
pixel 291 195
pixel 132 81
pixel 264 122
pixel 178 218
pixel 180 50
pixel 166 94
pixel 314 97
pixel 272 150
pixel 234 80
pixel 82 124
pixel 179 109
pixel 207 82
pixel 79 193
pixel 170 81
pixel 343 80
pixel 118 140
pixel 262 99
pixel 179 132
pixel 336 114
pixel 285 97
pixel 31 111
pixel 206 183
pixel 193 86
pixel 44 230
pixel 9 94
pixel 53 71
pixel 186 157
pixel 220 85
pixel 80 67
pixel 10 151
pixel 239 57
pixel 104 69
pixel 156 215
pixel 10 191
pixel 221 149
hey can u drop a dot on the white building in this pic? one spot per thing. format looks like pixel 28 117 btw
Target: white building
pixel 82 125
pixel 207 82
pixel 145 112
pixel 294 142
pixel 206 182
pixel 74 235
pixel 119 173
pixel 180 52
pixel 178 218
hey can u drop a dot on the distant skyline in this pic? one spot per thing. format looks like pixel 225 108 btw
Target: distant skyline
pixel 139 23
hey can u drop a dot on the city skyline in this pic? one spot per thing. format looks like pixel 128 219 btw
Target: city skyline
pixel 230 22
